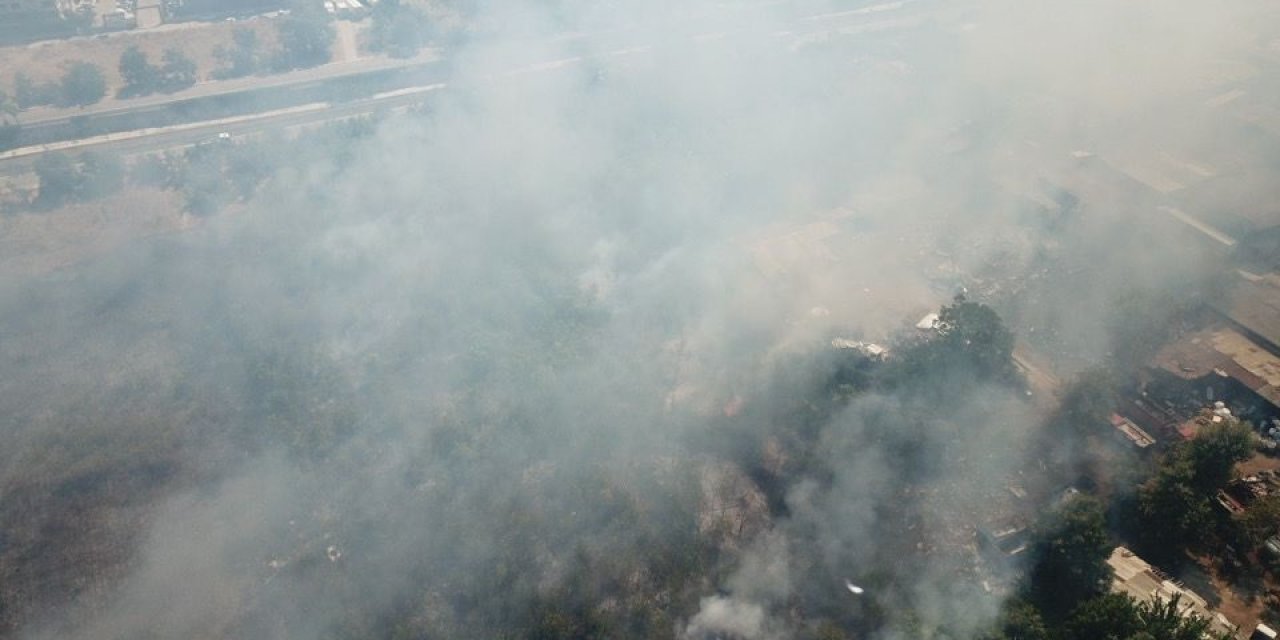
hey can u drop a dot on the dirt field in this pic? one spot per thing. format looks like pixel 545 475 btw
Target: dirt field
pixel 45 61
pixel 1258 463
pixel 1241 604
pixel 39 242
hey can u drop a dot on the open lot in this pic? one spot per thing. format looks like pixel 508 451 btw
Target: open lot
pixel 45 61
pixel 35 243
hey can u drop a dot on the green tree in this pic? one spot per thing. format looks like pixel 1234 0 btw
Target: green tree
pixel 972 344
pixel 8 108
pixel 1165 621
pixel 305 37
pixel 975 330
pixel 9 127
pixel 154 170
pixel 100 175
pixel 247 167
pixel 1261 521
pixel 1070 552
pixel 1174 514
pixel 9 135
pixel 1019 620
pixel 58 179
pixel 399 29
pixel 177 70
pixel 829 631
pixel 140 76
pixel 241 59
pixel 1111 616
pixel 1089 401
pixel 1176 503
pixel 1116 616
pixel 28 93
pixel 1215 451
pixel 24 90
pixel 83 84
pixel 200 176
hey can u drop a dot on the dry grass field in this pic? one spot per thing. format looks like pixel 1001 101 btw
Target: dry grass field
pixel 45 61
pixel 38 242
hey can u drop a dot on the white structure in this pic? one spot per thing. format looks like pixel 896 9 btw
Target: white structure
pixel 928 322
pixel 1132 575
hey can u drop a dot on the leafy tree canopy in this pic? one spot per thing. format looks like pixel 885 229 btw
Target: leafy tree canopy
pixel 1176 503
pixel 1070 552
pixel 83 85
pixel 1119 617
pixel 305 36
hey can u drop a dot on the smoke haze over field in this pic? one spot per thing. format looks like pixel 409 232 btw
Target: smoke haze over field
pixel 528 351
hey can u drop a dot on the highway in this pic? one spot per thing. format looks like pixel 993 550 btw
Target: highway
pixel 19 161
pixel 335 92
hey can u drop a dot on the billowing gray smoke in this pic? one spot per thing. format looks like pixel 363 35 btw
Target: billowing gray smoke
pixel 555 354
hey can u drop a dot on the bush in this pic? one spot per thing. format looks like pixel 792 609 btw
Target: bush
pixel 28 93
pixel 57 177
pixel 140 76
pixel 178 71
pixel 241 59
pixel 306 38
pixel 398 29
pixel 83 84
pixel 64 180
pixel 9 134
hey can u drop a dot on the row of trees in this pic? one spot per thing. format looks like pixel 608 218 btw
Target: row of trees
pixel 1067 596
pixel 305 39
pixel 175 72
pixel 209 175
pixel 1109 616
pixel 90 176
pixel 81 84
pixel 9 126
pixel 1176 505
pixel 1173 510
pixel 400 30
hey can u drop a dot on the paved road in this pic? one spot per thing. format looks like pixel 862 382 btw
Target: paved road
pixel 151 141
pixel 860 18
pixel 110 106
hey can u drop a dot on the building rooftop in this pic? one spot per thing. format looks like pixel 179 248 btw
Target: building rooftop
pixel 1226 352
pixel 1140 439
pixel 1133 576
pixel 1254 305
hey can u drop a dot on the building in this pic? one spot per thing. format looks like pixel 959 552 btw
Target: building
pixel 28 9
pixel 21 20
pixel 1134 577
pixel 1218 364
pixel 1131 432
pixel 1003 546
pixel 1253 308
pixel 207 9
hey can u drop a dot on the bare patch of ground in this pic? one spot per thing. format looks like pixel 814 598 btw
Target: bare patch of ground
pixel 38 242
pixel 1241 603
pixel 1258 463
